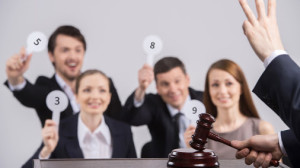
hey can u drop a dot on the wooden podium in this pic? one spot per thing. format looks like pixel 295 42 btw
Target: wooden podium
pixel 123 163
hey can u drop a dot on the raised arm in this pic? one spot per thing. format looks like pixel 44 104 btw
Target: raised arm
pixel 139 107
pixel 50 138
pixel 262 32
pixel 16 67
pixel 145 77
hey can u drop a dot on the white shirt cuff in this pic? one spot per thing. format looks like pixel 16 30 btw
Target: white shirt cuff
pixel 47 157
pixel 274 54
pixel 17 87
pixel 281 145
pixel 138 104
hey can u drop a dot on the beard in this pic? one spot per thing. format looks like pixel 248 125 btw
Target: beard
pixel 69 76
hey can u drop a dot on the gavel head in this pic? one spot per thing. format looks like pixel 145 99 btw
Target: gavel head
pixel 204 124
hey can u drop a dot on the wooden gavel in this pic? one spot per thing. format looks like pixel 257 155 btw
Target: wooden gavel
pixel 202 132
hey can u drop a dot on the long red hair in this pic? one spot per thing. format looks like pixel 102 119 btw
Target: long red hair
pixel 246 104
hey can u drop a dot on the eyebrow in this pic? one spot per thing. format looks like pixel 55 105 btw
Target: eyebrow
pixel 164 82
pixel 79 46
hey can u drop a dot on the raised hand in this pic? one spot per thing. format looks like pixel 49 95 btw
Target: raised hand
pixel 145 77
pixel 50 138
pixel 262 32
pixel 188 135
pixel 15 67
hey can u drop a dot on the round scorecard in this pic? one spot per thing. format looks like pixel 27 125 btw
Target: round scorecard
pixel 36 42
pixel 152 45
pixel 57 101
pixel 193 109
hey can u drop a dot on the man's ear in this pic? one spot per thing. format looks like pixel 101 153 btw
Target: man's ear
pixel 51 56
pixel 188 80
pixel 157 88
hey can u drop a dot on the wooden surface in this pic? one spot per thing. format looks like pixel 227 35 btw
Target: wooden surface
pixel 189 157
pixel 123 163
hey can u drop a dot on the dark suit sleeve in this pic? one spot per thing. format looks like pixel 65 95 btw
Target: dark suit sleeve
pixel 291 146
pixel 131 152
pixel 29 163
pixel 114 108
pixel 138 116
pixel 33 95
pixel 279 88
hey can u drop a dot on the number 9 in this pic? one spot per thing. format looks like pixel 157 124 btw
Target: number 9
pixel 194 110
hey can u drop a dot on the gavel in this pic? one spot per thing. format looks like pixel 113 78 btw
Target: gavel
pixel 202 132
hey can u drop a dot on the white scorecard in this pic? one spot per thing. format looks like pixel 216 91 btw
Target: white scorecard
pixel 192 111
pixel 36 42
pixel 57 102
pixel 152 46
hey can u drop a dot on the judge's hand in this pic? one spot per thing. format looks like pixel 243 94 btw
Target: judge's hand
pixel 50 138
pixel 145 77
pixel 188 135
pixel 263 149
pixel 262 32
pixel 15 67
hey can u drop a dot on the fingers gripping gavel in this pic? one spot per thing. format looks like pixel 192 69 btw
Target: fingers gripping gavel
pixel 202 132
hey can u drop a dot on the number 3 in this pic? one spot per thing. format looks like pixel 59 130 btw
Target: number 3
pixel 56 101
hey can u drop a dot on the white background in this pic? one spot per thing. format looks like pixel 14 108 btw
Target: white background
pixel 198 32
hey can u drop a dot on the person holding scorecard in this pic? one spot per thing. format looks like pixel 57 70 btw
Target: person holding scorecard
pixel 228 99
pixel 66 51
pixel 162 112
pixel 88 134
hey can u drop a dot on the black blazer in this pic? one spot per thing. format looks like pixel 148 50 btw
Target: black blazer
pixel 155 114
pixel 34 96
pixel 279 88
pixel 68 144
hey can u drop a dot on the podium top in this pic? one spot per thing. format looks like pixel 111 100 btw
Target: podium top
pixel 124 163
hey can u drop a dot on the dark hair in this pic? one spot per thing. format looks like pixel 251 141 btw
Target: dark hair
pixel 246 104
pixel 65 30
pixel 166 64
pixel 88 73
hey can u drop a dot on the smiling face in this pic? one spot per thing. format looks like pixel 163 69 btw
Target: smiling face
pixel 172 86
pixel 224 89
pixel 93 94
pixel 67 56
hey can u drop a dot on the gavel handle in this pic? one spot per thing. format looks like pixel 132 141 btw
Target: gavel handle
pixel 217 138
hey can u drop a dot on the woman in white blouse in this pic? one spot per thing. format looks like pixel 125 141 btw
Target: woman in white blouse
pixel 89 134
